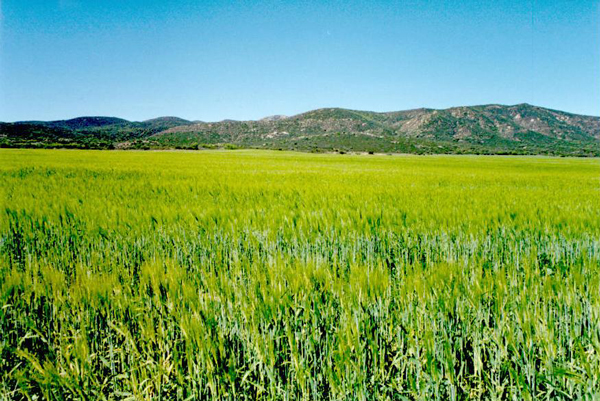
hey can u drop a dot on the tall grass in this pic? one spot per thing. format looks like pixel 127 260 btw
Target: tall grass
pixel 280 276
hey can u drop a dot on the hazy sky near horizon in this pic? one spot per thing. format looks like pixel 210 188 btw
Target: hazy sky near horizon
pixel 211 60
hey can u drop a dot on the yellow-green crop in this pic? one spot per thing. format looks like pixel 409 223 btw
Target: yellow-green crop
pixel 282 276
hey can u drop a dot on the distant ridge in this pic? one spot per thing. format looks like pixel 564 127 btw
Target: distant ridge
pixel 277 117
pixel 173 120
pixel 79 122
pixel 487 129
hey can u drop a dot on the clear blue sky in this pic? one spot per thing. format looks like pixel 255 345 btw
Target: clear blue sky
pixel 211 60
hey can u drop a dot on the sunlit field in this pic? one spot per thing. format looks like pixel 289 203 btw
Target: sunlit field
pixel 255 275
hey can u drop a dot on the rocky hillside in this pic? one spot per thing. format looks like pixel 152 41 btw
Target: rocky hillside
pixel 489 129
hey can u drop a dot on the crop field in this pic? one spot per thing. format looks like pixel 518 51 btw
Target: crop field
pixel 265 275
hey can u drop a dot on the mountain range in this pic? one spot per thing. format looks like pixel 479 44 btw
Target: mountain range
pixel 487 129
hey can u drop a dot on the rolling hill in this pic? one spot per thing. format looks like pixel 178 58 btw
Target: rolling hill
pixel 487 129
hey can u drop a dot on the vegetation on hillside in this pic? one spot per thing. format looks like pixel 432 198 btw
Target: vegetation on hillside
pixel 492 129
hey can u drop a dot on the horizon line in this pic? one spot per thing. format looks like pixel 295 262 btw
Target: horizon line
pixel 304 112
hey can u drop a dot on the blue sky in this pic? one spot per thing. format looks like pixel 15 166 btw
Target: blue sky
pixel 211 60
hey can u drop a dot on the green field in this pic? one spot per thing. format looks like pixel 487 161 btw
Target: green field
pixel 285 276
